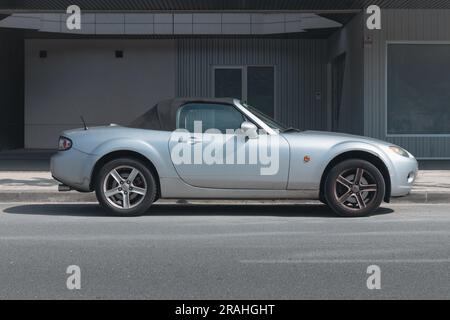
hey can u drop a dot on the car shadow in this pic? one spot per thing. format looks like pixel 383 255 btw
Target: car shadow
pixel 94 210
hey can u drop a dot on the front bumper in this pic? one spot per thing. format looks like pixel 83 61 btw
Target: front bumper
pixel 73 168
pixel 403 175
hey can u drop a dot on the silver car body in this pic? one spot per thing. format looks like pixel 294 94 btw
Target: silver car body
pixel 295 179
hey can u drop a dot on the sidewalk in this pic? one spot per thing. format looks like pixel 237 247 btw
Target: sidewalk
pixel 25 160
pixel 432 186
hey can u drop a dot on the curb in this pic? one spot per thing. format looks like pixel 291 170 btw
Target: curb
pixel 424 197
pixel 50 196
pixel 73 196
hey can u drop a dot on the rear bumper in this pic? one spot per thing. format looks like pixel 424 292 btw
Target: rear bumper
pixel 73 168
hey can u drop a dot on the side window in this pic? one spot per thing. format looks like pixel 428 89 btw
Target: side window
pixel 212 116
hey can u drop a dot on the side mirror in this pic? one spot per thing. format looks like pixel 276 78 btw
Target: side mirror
pixel 249 130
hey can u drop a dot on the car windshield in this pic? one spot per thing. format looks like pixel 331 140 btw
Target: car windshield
pixel 268 120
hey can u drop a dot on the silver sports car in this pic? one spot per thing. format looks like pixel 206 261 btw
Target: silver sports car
pixel 226 149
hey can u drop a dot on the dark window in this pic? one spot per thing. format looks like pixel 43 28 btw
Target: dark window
pixel 418 89
pixel 252 84
pixel 260 89
pixel 119 54
pixel 228 83
pixel 212 116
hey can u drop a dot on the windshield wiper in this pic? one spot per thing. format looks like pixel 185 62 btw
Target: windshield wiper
pixel 291 129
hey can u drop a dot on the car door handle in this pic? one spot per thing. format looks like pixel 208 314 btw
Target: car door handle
pixel 190 140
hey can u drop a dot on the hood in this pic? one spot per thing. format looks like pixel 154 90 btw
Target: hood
pixel 339 137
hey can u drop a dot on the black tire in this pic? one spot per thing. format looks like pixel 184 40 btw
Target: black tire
pixel 348 197
pixel 135 197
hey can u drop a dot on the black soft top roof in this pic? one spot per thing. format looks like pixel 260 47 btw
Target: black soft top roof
pixel 162 116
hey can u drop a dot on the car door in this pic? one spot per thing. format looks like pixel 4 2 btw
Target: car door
pixel 208 150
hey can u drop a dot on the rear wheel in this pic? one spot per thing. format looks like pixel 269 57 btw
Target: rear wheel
pixel 354 188
pixel 125 187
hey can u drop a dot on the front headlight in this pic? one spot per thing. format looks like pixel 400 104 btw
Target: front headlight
pixel 399 151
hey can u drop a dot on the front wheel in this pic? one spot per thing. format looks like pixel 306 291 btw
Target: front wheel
pixel 354 188
pixel 125 187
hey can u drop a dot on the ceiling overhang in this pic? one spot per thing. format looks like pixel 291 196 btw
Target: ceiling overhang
pixel 337 11
pixel 106 23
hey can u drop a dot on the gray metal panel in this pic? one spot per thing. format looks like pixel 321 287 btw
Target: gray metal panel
pixel 300 72
pixel 348 40
pixel 401 25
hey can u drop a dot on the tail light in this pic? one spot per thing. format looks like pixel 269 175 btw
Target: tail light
pixel 64 144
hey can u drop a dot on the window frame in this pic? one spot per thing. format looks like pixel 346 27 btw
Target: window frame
pixel 244 69
pixel 386 129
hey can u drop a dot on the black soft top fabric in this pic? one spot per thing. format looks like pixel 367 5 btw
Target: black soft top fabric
pixel 162 116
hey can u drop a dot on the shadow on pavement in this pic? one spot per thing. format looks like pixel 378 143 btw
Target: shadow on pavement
pixel 94 210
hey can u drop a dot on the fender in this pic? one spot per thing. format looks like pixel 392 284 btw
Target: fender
pixel 307 175
pixel 344 147
pixel 164 168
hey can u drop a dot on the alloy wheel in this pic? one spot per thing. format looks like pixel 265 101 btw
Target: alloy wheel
pixel 125 187
pixel 355 188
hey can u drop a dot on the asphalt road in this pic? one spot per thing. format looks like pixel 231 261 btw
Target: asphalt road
pixel 223 252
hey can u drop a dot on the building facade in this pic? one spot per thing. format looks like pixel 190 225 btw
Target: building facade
pixel 316 68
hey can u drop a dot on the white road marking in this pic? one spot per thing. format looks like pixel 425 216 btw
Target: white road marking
pixel 342 261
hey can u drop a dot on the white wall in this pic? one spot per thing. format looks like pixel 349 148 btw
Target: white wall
pixel 83 77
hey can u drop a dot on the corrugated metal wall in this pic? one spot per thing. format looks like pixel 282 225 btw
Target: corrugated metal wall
pixel 222 4
pixel 300 67
pixel 401 25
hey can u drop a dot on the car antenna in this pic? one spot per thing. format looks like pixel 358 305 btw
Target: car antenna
pixel 84 123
